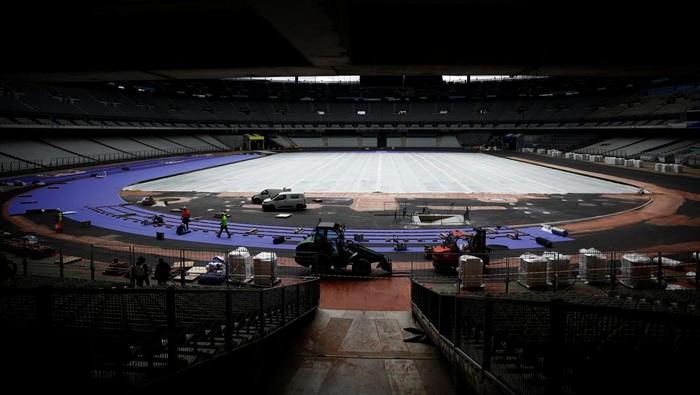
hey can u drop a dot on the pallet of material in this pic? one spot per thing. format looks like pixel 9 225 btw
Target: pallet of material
pixel 239 281
pixel 197 270
pixel 182 264
pixel 23 247
pixel 68 259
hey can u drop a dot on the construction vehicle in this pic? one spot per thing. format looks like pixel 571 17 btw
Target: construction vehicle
pixel 446 255
pixel 327 248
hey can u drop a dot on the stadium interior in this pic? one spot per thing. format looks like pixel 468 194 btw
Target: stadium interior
pixel 612 93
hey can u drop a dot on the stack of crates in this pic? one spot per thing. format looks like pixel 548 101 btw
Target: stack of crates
pixel 635 270
pixel 592 265
pixel 240 264
pixel 265 268
pixel 558 269
pixel 532 272
pixel 471 271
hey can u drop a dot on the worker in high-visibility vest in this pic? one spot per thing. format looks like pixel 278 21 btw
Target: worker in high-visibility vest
pixel 59 220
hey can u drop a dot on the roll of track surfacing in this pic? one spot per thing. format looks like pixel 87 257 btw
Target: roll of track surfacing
pixel 560 232
pixel 543 241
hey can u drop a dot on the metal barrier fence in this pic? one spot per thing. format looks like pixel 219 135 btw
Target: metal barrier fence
pixel 111 262
pixel 529 342
pixel 572 344
pixel 534 269
pixel 560 270
pixel 97 335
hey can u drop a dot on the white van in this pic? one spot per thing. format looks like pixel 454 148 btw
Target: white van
pixel 267 193
pixel 285 201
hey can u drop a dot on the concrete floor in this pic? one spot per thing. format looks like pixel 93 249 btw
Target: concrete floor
pixel 360 352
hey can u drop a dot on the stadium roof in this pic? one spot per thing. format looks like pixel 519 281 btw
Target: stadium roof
pixel 202 39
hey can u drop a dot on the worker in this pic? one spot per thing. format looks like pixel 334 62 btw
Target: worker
pixel 224 226
pixel 185 217
pixel 58 217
